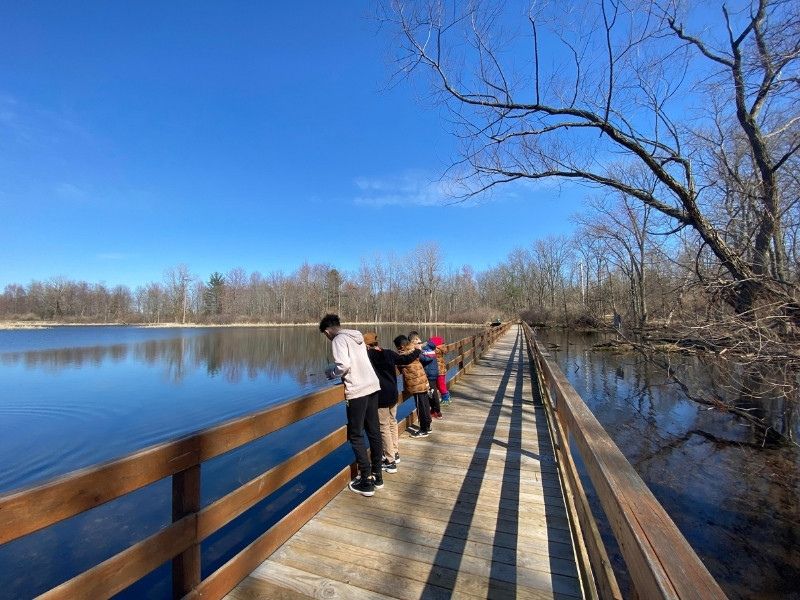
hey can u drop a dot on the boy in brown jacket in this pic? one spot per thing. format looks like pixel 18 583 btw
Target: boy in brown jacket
pixel 415 382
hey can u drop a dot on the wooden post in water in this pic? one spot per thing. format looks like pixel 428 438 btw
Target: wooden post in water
pixel 186 501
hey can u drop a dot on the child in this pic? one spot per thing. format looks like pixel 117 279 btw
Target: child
pixel 428 360
pixel 385 363
pixel 415 382
pixel 441 382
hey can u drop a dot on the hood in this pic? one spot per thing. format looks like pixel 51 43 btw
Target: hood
pixel 352 334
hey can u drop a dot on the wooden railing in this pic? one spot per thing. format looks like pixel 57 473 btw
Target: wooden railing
pixel 26 511
pixel 659 560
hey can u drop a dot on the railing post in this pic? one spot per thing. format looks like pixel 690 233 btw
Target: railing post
pixel 186 501
pixel 460 355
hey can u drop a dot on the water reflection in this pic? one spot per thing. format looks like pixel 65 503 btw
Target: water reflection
pixel 736 502
pixel 233 353
pixel 74 397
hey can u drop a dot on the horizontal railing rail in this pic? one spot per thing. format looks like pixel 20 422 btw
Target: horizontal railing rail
pixel 660 562
pixel 34 508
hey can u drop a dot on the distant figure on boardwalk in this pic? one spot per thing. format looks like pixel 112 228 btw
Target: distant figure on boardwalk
pixel 385 363
pixel 431 363
pixel 361 388
pixel 415 382
pixel 428 360
pixel 441 382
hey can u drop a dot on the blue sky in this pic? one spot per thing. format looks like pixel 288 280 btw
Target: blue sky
pixel 136 136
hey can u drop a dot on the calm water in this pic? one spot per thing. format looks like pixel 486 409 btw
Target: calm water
pixel 738 505
pixel 73 397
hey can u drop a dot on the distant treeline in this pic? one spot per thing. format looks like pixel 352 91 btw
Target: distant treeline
pixel 412 288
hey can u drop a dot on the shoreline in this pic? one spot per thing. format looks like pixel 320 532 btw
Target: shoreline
pixel 31 325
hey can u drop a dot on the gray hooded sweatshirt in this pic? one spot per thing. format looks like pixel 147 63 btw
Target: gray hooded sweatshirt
pixel 353 365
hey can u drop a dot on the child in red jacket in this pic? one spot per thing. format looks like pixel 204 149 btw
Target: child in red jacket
pixel 441 381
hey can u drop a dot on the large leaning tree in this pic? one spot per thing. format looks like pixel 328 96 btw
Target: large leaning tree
pixel 692 109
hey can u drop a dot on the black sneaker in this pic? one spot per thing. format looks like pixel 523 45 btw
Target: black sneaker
pixel 397 457
pixel 365 487
pixel 424 432
pixel 377 481
pixel 389 467
pixel 416 433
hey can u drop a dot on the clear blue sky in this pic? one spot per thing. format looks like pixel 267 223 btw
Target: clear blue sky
pixel 135 136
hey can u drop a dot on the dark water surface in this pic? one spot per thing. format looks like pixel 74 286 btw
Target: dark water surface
pixel 72 397
pixel 737 504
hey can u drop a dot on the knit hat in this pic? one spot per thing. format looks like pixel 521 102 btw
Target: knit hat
pixel 437 341
pixel 371 338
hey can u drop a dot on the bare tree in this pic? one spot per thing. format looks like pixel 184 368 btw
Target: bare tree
pixel 617 95
pixel 178 280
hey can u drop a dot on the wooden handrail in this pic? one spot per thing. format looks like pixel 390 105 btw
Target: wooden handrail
pixel 660 561
pixel 28 510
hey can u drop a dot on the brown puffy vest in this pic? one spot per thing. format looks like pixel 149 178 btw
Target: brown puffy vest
pixel 414 379
pixel 440 361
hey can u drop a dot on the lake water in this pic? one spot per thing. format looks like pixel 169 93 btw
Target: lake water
pixel 72 397
pixel 737 504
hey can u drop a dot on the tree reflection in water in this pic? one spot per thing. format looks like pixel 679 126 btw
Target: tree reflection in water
pixel 734 500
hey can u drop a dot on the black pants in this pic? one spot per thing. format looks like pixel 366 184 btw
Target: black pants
pixel 435 404
pixel 362 414
pixel 423 411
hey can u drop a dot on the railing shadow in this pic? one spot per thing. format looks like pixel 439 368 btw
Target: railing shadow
pixel 478 466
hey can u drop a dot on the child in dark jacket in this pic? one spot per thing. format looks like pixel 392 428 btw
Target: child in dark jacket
pixel 428 360
pixel 385 363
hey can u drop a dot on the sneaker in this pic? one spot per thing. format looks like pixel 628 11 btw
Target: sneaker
pixel 397 457
pixel 377 481
pixel 417 434
pixel 436 415
pixel 365 487
pixel 389 467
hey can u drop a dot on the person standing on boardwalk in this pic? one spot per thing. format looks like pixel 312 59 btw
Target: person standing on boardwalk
pixel 361 387
pixel 415 382
pixel 385 363
pixel 430 362
pixel 441 382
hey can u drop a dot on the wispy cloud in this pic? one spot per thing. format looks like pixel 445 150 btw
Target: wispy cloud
pixel 410 188
pixel 38 126
pixel 69 191
pixel 423 189
pixel 113 256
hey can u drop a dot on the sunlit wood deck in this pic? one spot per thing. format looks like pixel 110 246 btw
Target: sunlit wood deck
pixel 475 509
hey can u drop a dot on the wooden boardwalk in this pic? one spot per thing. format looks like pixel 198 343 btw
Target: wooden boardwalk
pixel 474 511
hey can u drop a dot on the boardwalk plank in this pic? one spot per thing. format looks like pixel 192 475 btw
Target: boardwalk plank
pixel 418 577
pixel 487 550
pixel 485 531
pixel 335 538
